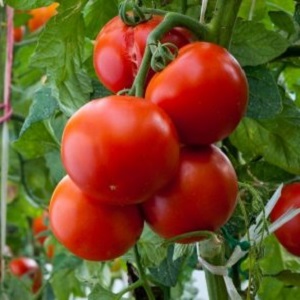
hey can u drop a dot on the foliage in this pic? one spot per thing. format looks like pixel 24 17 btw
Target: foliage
pixel 53 76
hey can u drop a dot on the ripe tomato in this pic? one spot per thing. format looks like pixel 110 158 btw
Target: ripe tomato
pixel 119 50
pixel 120 149
pixel 92 230
pixel 18 34
pixel 40 16
pixel 288 234
pixel 25 266
pixel 204 91
pixel 39 227
pixel 203 195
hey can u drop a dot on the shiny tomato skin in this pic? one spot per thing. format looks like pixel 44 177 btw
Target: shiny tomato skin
pixel 204 91
pixel 288 234
pixel 120 149
pixel 90 230
pixel 40 16
pixel 21 266
pixel 119 50
pixel 202 196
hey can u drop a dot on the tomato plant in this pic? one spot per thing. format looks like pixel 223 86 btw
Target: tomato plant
pixel 130 149
pixel 211 100
pixel 119 50
pixel 289 232
pixel 92 230
pixel 25 266
pixel 40 16
pixel 202 196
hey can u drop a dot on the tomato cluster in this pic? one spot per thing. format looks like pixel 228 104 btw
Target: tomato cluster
pixel 131 159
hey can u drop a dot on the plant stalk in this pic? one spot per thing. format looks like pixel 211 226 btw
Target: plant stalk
pixel 212 250
pixel 223 21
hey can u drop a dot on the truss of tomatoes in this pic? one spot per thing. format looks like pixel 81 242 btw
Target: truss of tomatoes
pixel 131 160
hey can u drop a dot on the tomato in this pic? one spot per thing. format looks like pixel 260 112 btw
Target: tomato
pixel 39 227
pixel 90 230
pixel 40 16
pixel 25 266
pixel 18 34
pixel 120 149
pixel 119 50
pixel 204 91
pixel 288 234
pixel 202 196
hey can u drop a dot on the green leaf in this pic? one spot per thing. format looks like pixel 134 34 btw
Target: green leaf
pixel 42 108
pixel 64 261
pixel 277 140
pixel 168 271
pixel 258 13
pixel 252 44
pixel 283 21
pixel 36 141
pixel 97 14
pixel 264 96
pixel 27 4
pixel 60 51
pixel 53 162
pixel 288 277
pixel 99 292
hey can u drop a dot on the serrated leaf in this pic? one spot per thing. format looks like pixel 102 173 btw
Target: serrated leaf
pixel 42 108
pixel 53 162
pixel 264 96
pixel 63 261
pixel 288 277
pixel 168 271
pixel 252 44
pixel 283 21
pixel 99 292
pixel 60 51
pixel 36 141
pixel 277 140
pixel 28 4
pixel 97 14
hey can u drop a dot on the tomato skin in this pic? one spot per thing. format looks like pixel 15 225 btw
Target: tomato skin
pixel 119 50
pixel 203 195
pixel 120 149
pixel 40 16
pixel 204 91
pixel 90 230
pixel 288 234
pixel 21 266
pixel 18 34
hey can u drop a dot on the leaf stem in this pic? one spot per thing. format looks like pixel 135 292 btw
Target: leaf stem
pixel 142 274
pixel 129 288
pixel 223 21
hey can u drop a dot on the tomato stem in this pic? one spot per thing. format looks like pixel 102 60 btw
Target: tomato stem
pixel 222 24
pixel 142 274
pixel 170 21
pixel 212 251
pixel 129 288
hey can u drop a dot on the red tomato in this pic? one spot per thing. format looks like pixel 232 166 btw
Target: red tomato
pixel 120 149
pixel 40 16
pixel 204 91
pixel 92 230
pixel 203 195
pixel 25 266
pixel 119 50
pixel 288 234
pixel 39 226
pixel 18 34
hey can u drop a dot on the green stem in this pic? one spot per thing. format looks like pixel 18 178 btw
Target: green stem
pixel 170 21
pixel 212 251
pixel 129 289
pixel 142 274
pixel 222 24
